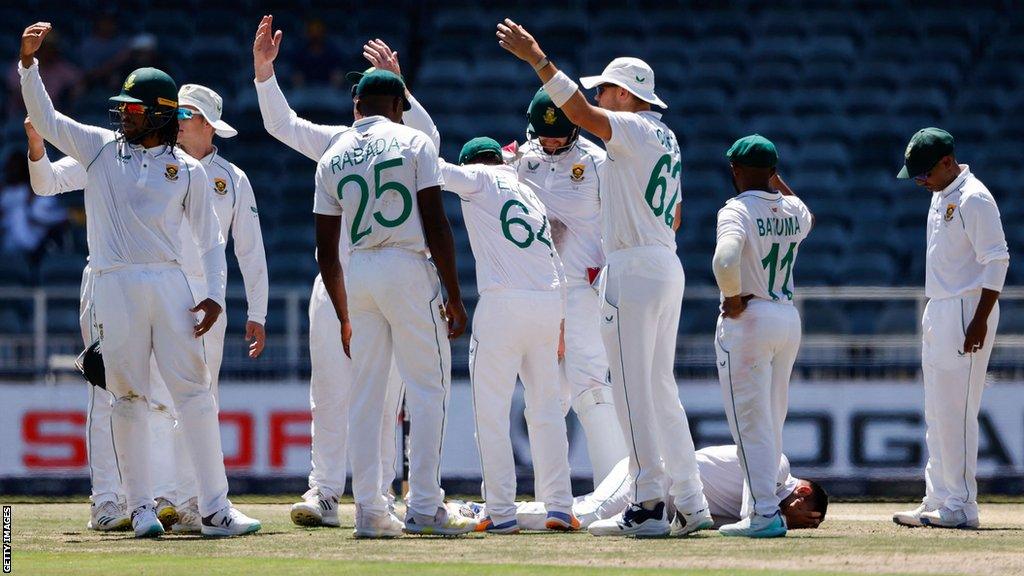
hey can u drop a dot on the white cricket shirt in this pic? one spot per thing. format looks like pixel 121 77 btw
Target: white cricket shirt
pixel 508 228
pixel 568 186
pixel 771 227
pixel 722 476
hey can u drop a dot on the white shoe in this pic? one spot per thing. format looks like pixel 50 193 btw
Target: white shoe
pixel 377 525
pixel 947 518
pixel 635 520
pixel 145 522
pixel 683 524
pixel 166 512
pixel 316 509
pixel 911 518
pixel 108 516
pixel 228 521
pixel 757 526
pixel 189 520
pixel 440 524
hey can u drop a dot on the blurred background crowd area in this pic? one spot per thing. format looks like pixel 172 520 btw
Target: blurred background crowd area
pixel 838 85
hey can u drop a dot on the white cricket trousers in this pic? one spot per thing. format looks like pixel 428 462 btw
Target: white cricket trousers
pixel 515 333
pixel 396 307
pixel 953 383
pixel 330 384
pixel 755 355
pixel 584 377
pixel 643 294
pixel 143 310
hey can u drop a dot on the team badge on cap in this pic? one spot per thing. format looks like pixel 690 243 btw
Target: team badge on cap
pixel 577 173
pixel 950 209
pixel 220 186
pixel 549 116
pixel 129 82
pixel 171 172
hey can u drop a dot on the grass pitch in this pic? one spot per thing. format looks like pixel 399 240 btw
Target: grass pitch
pixel 50 538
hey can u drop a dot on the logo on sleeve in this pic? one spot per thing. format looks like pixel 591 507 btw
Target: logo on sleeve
pixel 220 186
pixel 577 173
pixel 171 172
pixel 950 210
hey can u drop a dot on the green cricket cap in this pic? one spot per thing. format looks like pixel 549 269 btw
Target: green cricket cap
pixel 755 151
pixel 149 87
pixel 927 146
pixel 382 83
pixel 355 77
pixel 478 146
pixel 547 120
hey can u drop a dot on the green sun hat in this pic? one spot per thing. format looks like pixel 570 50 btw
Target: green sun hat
pixel 150 87
pixel 382 83
pixel 546 119
pixel 927 146
pixel 478 146
pixel 755 151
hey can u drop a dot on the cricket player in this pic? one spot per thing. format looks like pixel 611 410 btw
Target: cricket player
pixel 965 269
pixel 139 189
pixel 516 329
pixel 643 283
pixel 758 334
pixel 199 120
pixel 386 178
pixel 331 368
pixel 804 502
pixel 561 167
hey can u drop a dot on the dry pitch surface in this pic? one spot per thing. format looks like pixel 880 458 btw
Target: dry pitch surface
pixel 856 539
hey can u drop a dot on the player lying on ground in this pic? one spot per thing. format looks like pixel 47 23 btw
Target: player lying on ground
pixel 643 283
pixel 138 191
pixel 803 502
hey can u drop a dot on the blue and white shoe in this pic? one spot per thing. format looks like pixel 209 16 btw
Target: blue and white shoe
pixel 562 522
pixel 507 527
pixel 635 520
pixel 757 526
pixel 145 523
pixel 947 518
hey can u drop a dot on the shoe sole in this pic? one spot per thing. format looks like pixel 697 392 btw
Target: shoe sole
pixel 761 534
pixel 304 517
pixel 435 531
pixel 214 532
pixel 560 526
pixel 168 517
pixel 151 532
pixel 898 522
pixel 125 524
pixel 374 535
pixel 641 532
pixel 705 525
pixel 965 526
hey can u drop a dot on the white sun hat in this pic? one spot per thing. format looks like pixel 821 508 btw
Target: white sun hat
pixel 633 74
pixel 209 104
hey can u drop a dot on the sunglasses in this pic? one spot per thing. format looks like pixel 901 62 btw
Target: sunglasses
pixel 127 108
pixel 187 114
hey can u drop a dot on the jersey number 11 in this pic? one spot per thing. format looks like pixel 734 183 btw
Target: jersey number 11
pixel 772 263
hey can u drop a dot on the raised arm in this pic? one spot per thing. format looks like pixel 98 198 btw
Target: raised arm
pixel 50 179
pixel 382 57
pixel 252 260
pixel 280 121
pixel 564 92
pixel 79 141
pixel 202 218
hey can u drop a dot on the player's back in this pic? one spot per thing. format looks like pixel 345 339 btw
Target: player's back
pixel 372 172
pixel 773 226
pixel 640 182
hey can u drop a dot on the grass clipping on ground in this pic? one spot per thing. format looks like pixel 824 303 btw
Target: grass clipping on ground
pixel 855 539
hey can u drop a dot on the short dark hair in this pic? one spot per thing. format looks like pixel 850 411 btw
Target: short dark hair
pixel 819 498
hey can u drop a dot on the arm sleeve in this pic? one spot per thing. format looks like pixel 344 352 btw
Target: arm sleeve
pixel 252 258
pixel 428 166
pixel 462 180
pixel 281 122
pixel 206 232
pixel 628 132
pixel 49 179
pixel 325 199
pixel 418 119
pixel 985 231
pixel 729 248
pixel 79 141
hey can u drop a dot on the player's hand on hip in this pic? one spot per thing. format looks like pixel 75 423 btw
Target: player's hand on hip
pixel 211 311
pixel 346 336
pixel 32 39
pixel 381 56
pixel 455 312
pixel 733 306
pixel 517 40
pixel 265 48
pixel 974 339
pixel 256 335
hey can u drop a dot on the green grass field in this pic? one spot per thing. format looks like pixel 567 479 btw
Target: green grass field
pixel 50 538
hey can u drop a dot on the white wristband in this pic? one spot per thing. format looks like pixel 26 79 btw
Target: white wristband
pixel 560 88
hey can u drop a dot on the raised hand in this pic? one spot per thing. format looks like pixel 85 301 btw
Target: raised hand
pixel 517 40
pixel 381 56
pixel 31 40
pixel 265 48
